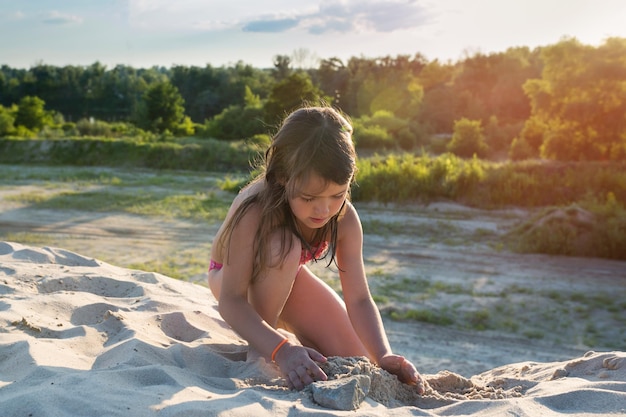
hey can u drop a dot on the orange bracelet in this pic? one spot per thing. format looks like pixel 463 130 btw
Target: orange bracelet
pixel 277 348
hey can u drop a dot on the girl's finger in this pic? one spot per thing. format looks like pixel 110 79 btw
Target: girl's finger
pixel 303 373
pixel 315 355
pixel 294 378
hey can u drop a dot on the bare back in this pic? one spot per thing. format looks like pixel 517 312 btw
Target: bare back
pixel 217 252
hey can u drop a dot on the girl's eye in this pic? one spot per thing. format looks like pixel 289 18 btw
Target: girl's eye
pixel 307 199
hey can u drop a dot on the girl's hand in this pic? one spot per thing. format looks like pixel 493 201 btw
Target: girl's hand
pixel 403 369
pixel 298 365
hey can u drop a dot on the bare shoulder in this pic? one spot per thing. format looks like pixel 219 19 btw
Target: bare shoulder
pixel 349 221
pixel 250 217
pixel 237 222
pixel 350 212
pixel 350 243
pixel 247 192
pixel 252 188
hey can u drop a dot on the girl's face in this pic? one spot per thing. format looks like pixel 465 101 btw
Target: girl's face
pixel 315 202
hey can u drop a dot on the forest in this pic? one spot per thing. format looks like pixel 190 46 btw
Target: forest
pixel 563 102
pixel 541 129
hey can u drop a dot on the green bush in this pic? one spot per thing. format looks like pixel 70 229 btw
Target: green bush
pixel 405 139
pixel 209 155
pixel 468 139
pixel 486 184
pixel 31 114
pixel 383 130
pixel 520 150
pixel 386 120
pixel 372 137
pixel 235 123
pixel 90 127
pixel 408 177
pixel 7 121
pixel 262 140
pixel 541 184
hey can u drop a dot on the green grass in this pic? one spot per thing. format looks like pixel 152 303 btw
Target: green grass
pixel 174 194
pixel 527 312
pixel 181 265
pixel 197 206
pixel 427 316
pixel 196 155
pixel 27 238
pixel 91 176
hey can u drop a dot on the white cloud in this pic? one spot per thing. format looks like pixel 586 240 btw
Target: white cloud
pixel 252 16
pixel 348 16
pixel 56 18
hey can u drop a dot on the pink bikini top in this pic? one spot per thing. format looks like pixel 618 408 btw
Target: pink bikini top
pixel 307 255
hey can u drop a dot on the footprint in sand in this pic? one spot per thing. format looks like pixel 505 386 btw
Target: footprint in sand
pixel 176 326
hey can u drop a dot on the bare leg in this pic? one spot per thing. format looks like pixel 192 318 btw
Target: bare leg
pixel 318 317
pixel 270 291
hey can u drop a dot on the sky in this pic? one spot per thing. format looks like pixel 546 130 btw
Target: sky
pixel 145 33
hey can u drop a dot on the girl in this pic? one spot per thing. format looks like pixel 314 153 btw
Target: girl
pixel 296 211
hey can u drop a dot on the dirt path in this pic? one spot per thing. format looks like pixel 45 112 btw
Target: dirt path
pixel 479 306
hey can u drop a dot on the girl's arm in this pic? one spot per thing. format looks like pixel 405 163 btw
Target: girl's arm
pixel 362 310
pixel 233 301
pixel 296 362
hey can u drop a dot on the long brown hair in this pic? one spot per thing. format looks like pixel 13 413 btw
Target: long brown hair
pixel 311 140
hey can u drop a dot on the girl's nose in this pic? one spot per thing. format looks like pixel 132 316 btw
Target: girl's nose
pixel 323 208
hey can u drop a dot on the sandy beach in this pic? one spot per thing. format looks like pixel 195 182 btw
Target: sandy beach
pixel 88 328
pixel 83 337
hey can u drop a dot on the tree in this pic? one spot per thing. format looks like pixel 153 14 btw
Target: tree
pixel 499 137
pixel 303 58
pixel 31 114
pixel 333 78
pixel 237 122
pixel 281 67
pixel 533 133
pixel 580 101
pixel 570 142
pixel 438 109
pixel 468 139
pixel 289 94
pixel 164 108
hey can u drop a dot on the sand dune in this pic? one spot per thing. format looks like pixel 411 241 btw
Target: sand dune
pixel 82 337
